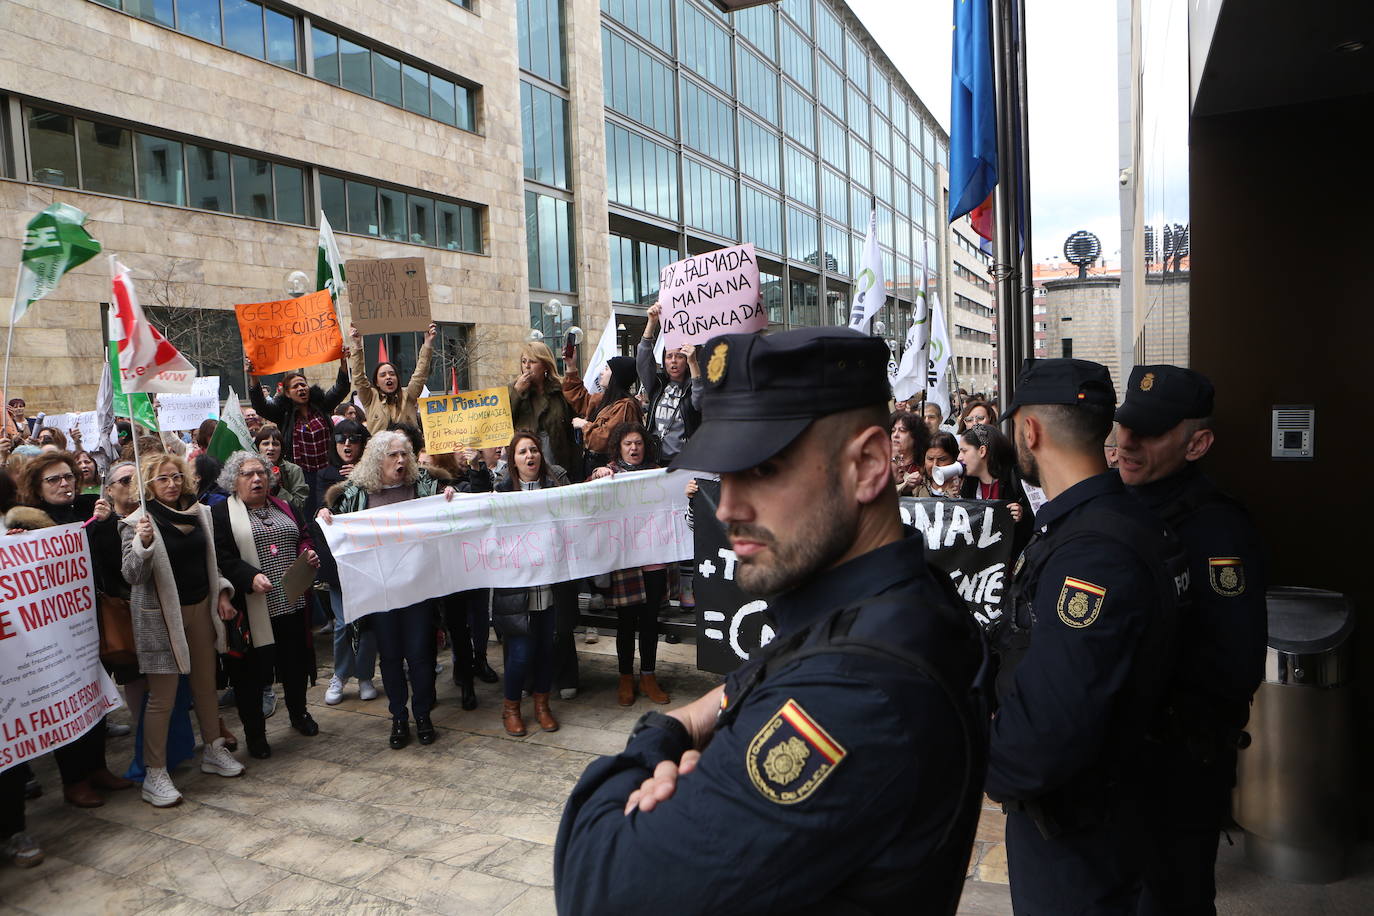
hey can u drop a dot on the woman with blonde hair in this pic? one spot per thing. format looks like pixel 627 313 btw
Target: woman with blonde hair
pixel 538 405
pixel 179 602
pixel 387 473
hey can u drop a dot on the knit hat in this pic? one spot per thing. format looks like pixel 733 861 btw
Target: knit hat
pixel 623 371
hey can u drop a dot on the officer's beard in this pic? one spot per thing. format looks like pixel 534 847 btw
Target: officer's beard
pixel 1025 461
pixel 814 542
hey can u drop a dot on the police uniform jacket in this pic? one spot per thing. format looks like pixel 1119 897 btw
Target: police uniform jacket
pixel 1073 715
pixel 836 782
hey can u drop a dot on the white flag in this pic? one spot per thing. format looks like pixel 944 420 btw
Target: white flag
pixel 909 379
pixel 329 272
pixel 147 362
pixel 937 387
pixel 870 286
pixel 606 347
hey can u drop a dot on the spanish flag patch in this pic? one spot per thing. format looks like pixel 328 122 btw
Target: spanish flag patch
pixel 1080 602
pixel 791 756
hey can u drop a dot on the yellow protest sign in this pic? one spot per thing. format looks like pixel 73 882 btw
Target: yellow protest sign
pixel 473 419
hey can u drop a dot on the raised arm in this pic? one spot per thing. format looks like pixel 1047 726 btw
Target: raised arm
pixel 422 361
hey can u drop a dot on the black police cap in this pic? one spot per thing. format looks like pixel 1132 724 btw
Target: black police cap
pixel 1159 397
pixel 1063 381
pixel 762 392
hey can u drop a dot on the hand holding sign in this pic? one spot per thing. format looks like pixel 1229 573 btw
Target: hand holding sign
pixel 713 293
pixel 289 333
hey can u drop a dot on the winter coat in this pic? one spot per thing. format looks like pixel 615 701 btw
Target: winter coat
pixel 401 407
pixel 597 434
pixel 281 410
pixel 547 413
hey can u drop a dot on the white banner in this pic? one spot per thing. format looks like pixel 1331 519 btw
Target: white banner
pixel 206 384
pixel 397 555
pixel 53 686
pixel 176 412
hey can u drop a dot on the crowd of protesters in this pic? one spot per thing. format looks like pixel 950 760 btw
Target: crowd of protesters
pixel 193 570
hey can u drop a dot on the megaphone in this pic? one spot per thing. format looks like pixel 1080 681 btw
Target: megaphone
pixel 950 471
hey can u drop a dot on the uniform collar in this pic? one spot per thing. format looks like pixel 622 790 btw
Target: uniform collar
pixel 849 583
pixel 1090 488
pixel 1167 489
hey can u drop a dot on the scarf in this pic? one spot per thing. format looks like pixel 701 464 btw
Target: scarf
pixel 259 622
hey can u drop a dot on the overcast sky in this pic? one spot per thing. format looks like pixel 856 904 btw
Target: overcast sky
pixel 1071 64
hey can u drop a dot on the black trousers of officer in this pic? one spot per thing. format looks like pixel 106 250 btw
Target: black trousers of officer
pixel 1089 871
pixel 1181 857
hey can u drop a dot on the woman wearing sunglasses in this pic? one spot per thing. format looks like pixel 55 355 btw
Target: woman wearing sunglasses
pixel 179 603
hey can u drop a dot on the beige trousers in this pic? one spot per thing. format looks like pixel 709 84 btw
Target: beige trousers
pixel 162 688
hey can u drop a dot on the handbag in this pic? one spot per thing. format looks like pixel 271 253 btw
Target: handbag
pixel 510 613
pixel 116 625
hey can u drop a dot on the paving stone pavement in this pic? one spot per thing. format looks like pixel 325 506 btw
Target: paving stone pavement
pixel 341 824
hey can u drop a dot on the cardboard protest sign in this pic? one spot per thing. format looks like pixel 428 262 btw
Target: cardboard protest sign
pixel 473 419
pixel 713 293
pixel 290 333
pixel 54 688
pixel 206 384
pixel 176 412
pixel 388 294
pixel 969 540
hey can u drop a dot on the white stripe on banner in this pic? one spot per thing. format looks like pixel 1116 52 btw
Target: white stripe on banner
pixel 397 555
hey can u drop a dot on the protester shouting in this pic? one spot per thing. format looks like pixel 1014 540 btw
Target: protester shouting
pixel 637 594
pixel 304 414
pixel 673 388
pixel 288 480
pixel 538 405
pixel 382 396
pixel 909 440
pixel 942 452
pixel 49 484
pixel 599 414
pixel 258 538
pixel 525 617
pixel 387 474
pixel 87 474
pixel 179 603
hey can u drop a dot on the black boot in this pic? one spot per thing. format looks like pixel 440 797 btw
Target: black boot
pixel 485 673
pixel 305 724
pixel 258 747
pixel 424 730
pixel 400 733
pixel 469 695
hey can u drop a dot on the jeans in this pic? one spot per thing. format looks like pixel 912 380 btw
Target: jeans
pixel 360 662
pixel 532 654
pixel 641 618
pixel 405 642
pixel 12 800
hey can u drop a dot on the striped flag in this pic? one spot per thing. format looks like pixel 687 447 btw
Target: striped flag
pixel 146 361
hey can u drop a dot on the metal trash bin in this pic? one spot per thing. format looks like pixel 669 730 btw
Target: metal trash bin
pixel 1295 788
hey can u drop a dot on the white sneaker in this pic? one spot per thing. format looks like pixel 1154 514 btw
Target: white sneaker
pixel 367 690
pixel 592 636
pixel 568 693
pixel 219 761
pixel 334 694
pixel 158 790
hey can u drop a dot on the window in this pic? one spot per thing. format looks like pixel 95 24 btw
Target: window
pixel 860 206
pixel 635 267
pixel 858 113
pixel 833 142
pixel 758 85
pixel 208 337
pixel 761 219
pixel 543 121
pixel 640 173
pixel 651 19
pixel 706 47
pixel 856 64
pixel 760 150
pixel 800 11
pixel 243 26
pixel 756 24
pixel 803 236
pixel 548 233
pixel 554 327
pixel 107 158
pixel 637 84
pixel 829 34
pixel 541 38
pixel 708 199
pixel 368 209
pixel 882 180
pixel 52 148
pixel 800 172
pixel 796 56
pixel 161 171
pixel 830 87
pixel 253 187
pixel 207 172
pixel 836 250
pixel 384 77
pixel 834 195
pixel 798 116
pixel 708 124
pixel 806 303
pixel 860 164
pixel 882 136
pixel 1066 348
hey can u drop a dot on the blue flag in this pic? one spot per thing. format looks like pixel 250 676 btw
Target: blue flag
pixel 973 112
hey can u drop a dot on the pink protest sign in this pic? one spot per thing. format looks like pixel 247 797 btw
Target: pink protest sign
pixel 709 294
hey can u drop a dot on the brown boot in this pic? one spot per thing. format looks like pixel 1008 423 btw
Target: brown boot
pixel 82 795
pixel 511 719
pixel 542 712
pixel 104 779
pixel 625 693
pixel 648 685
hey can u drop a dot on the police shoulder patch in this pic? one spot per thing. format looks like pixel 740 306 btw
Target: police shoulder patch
pixel 791 756
pixel 1079 602
pixel 1226 575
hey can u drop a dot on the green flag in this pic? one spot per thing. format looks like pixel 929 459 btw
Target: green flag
pixel 231 433
pixel 54 243
pixel 137 407
pixel 329 271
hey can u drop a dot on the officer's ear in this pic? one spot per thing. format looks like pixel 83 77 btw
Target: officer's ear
pixel 870 452
pixel 1032 427
pixel 1199 443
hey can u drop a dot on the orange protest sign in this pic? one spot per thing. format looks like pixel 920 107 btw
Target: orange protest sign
pixel 290 333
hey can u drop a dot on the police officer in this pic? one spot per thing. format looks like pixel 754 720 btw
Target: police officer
pixel 1164 429
pixel 1094 603
pixel 839 770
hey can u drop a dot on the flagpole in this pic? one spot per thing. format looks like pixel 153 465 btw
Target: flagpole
pixel 9 342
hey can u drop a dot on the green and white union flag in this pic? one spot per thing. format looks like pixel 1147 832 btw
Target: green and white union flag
pixel 231 433
pixel 54 243
pixel 329 271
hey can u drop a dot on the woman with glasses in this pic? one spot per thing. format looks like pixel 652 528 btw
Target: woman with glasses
pixel 49 483
pixel 355 647
pixel 179 603
pixel 257 540
pixel 387 473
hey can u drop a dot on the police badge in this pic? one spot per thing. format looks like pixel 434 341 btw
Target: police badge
pixel 791 756
pixel 1226 575
pixel 1079 602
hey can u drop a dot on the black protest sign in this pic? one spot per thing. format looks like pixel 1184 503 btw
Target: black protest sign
pixel 388 295
pixel 968 540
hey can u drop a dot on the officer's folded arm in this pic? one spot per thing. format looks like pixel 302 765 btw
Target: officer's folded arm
pixel 810 779
pixel 1053 722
